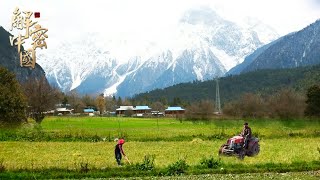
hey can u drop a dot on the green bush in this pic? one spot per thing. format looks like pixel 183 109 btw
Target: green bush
pixel 177 168
pixel 84 167
pixel 2 166
pixel 147 164
pixel 211 163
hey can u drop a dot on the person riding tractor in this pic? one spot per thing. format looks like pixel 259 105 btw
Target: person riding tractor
pixel 246 134
pixel 242 145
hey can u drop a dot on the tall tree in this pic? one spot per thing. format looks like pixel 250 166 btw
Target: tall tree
pixel 119 101
pixel 75 101
pixel 88 101
pixel 41 97
pixel 111 104
pixel 313 101
pixel 12 101
pixel 100 103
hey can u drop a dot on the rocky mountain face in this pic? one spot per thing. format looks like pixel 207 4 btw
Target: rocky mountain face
pixel 9 58
pixel 202 46
pixel 297 49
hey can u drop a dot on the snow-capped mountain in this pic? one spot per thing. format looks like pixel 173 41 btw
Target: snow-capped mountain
pixel 296 49
pixel 201 46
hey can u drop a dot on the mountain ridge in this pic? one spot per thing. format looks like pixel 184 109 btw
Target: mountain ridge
pixel 232 87
pixel 300 48
pixel 9 58
pixel 203 45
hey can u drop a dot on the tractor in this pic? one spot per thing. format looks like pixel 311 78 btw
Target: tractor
pixel 235 147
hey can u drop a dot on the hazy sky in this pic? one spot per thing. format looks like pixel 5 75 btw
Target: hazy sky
pixel 121 18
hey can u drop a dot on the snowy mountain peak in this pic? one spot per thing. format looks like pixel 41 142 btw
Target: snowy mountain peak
pixel 203 45
pixel 201 15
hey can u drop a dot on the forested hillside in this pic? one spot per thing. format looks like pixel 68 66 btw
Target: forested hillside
pixel 232 87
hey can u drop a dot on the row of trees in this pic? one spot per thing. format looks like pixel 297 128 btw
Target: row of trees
pixel 284 104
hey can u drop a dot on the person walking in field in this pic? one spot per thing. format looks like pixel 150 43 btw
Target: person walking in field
pixel 246 133
pixel 119 151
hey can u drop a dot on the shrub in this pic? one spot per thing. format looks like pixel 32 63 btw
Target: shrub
pixel 147 164
pixel 2 166
pixel 200 111
pixel 286 104
pixel 210 163
pixel 177 168
pixel 313 101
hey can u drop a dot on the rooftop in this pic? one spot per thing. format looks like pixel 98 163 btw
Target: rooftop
pixel 177 108
pixel 142 108
pixel 88 110
pixel 125 108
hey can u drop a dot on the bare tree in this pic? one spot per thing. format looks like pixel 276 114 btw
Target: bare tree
pixel 249 105
pixel 286 104
pixel 252 105
pixel 111 104
pixel 75 101
pixel 232 108
pixel 157 106
pixel 202 110
pixel 100 103
pixel 41 97
pixel 88 101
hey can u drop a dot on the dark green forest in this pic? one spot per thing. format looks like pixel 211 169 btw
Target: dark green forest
pixel 232 87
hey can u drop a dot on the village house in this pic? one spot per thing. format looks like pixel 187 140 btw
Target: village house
pixel 122 110
pixel 174 110
pixel 136 111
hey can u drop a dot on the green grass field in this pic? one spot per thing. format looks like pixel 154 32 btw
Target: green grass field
pixel 285 145
pixel 28 155
pixel 170 129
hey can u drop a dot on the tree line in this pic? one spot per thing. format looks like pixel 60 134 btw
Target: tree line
pixel 262 82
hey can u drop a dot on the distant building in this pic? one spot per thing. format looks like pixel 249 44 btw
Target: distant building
pixel 63 111
pixel 157 113
pixel 136 111
pixel 124 109
pixel 142 109
pixel 87 111
pixel 174 110
pixel 60 110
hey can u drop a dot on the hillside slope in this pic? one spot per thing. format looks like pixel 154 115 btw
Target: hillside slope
pixel 233 86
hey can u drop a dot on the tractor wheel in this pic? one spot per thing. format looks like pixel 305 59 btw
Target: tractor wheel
pixel 255 149
pixel 241 154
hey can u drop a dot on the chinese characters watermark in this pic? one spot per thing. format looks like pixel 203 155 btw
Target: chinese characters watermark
pixel 23 21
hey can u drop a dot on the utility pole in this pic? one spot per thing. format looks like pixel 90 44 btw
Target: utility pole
pixel 218 105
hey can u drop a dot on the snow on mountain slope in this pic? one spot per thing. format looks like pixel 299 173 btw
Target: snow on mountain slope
pixel 201 46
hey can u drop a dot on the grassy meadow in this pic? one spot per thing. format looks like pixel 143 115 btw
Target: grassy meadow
pixel 153 129
pixel 70 143
pixel 28 155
